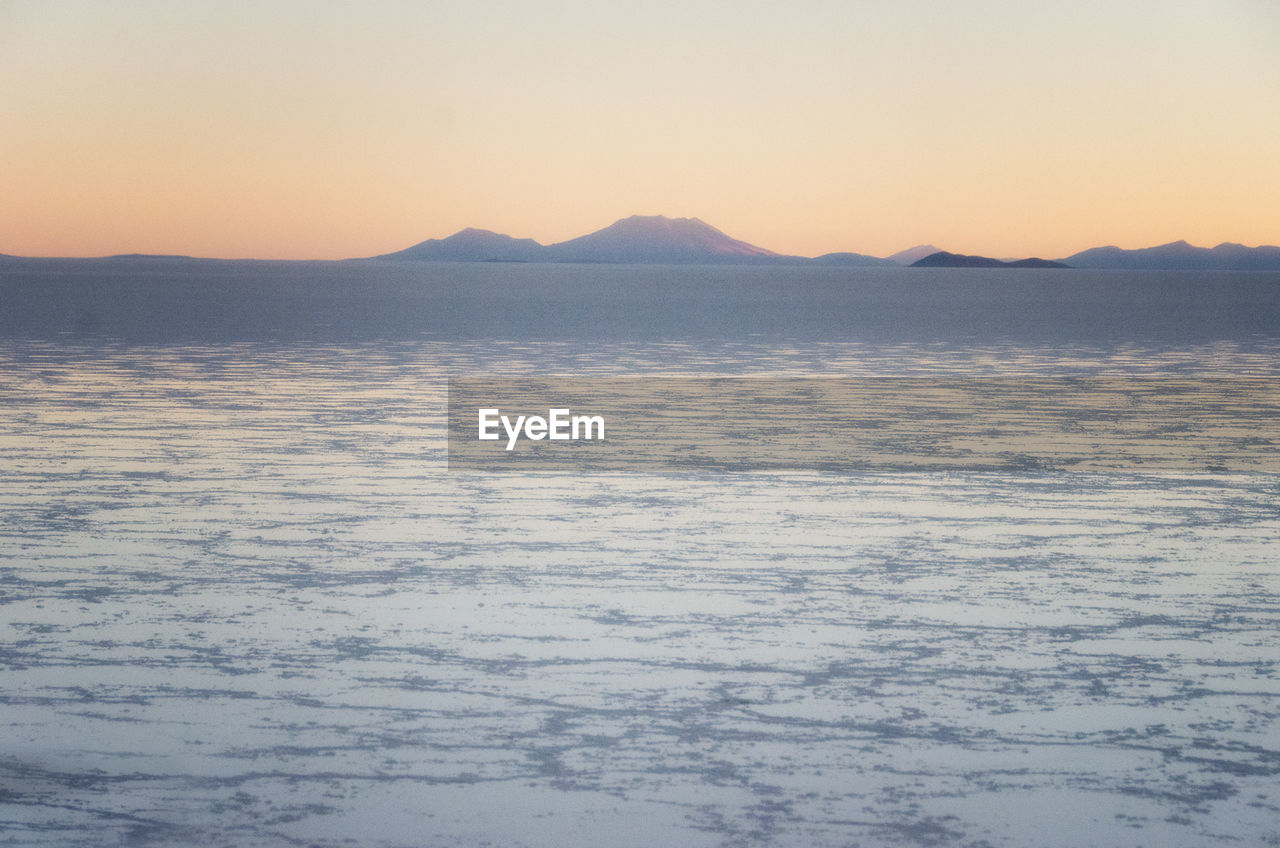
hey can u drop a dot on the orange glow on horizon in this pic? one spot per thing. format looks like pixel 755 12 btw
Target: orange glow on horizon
pixel 185 128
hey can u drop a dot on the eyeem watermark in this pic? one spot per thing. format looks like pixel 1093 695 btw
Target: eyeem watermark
pixel 559 426
pixel 849 425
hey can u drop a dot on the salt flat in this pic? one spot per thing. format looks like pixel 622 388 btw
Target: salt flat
pixel 244 603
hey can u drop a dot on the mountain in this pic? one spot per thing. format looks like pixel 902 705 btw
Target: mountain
pixel 913 254
pixel 149 256
pixel 638 239
pixel 659 239
pixel 662 240
pixel 1180 256
pixel 943 259
pixel 850 260
pixel 1035 262
pixel 473 245
pixel 1237 257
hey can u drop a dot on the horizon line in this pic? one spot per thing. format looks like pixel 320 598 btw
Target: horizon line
pixel 672 219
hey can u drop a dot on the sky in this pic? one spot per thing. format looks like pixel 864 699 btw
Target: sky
pixel 330 130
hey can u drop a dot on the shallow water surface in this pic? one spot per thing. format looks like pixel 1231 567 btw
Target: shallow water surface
pixel 244 603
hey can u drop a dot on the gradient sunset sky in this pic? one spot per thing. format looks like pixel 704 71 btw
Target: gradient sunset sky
pixel 332 130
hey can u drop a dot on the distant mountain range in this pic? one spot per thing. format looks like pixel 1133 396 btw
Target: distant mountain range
pixel 656 239
pixel 1181 256
pixel 473 245
pixel 942 259
pixel 640 239
pixel 914 254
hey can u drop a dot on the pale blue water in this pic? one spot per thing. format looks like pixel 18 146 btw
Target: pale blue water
pixel 243 603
